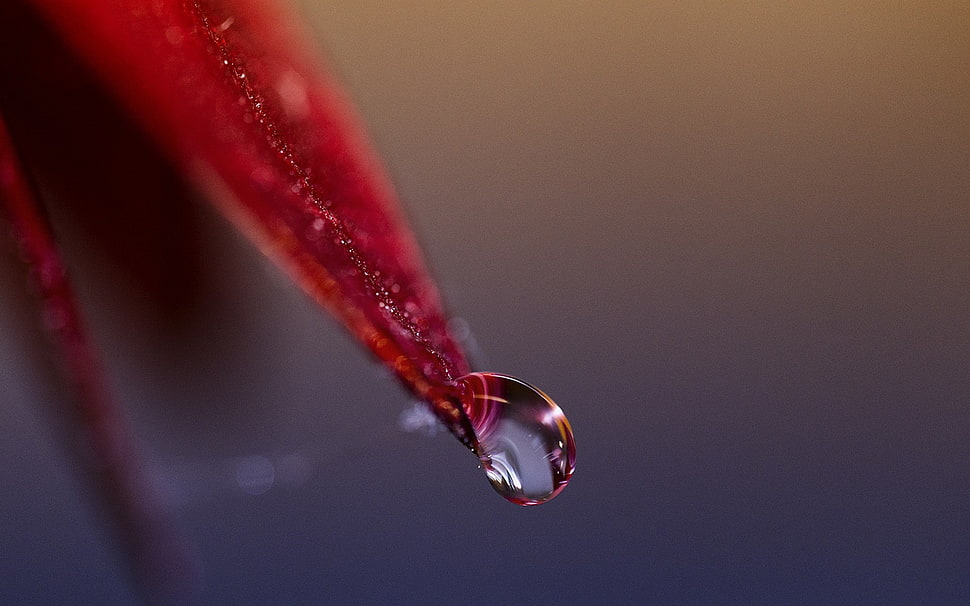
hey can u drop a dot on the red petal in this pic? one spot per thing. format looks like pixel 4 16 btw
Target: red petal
pixel 97 426
pixel 228 89
pixel 91 157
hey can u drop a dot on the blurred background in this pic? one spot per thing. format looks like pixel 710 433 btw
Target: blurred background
pixel 732 240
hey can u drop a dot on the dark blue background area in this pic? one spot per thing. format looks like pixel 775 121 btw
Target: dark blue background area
pixel 733 242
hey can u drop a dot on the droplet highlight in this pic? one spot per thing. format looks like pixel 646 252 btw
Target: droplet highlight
pixel 524 442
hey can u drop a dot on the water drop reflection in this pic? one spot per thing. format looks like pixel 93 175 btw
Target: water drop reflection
pixel 524 441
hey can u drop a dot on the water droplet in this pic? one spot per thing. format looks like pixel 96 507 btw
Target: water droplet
pixel 524 442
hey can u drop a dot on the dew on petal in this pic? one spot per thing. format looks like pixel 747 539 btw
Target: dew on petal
pixel 524 442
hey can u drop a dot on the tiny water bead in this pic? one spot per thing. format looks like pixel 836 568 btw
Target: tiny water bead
pixel 524 442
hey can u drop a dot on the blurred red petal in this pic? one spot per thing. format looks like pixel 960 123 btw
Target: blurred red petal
pixel 230 91
pixel 98 170
pixel 96 426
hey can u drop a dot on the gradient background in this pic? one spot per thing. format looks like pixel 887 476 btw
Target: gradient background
pixel 731 239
